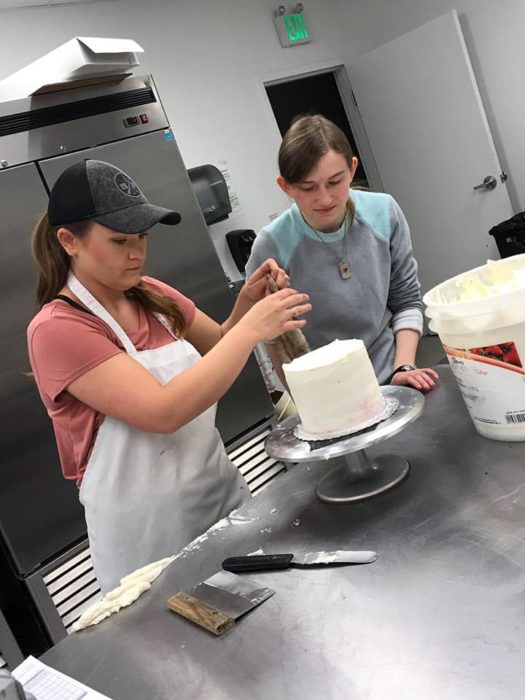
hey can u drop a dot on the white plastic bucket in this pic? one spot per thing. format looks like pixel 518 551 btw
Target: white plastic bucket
pixel 480 319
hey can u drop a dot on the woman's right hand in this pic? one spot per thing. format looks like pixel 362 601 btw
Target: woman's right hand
pixel 275 314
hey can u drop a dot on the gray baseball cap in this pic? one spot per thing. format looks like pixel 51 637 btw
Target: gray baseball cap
pixel 93 189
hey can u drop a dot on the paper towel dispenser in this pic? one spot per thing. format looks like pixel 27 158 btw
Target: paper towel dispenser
pixel 211 191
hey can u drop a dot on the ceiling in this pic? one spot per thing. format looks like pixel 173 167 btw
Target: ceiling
pixel 13 4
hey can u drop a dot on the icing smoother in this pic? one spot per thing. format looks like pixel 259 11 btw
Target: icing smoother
pixel 334 387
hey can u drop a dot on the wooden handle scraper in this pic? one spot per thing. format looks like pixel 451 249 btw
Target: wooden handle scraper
pixel 215 604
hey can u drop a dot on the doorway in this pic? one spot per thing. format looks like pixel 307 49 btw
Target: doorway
pixel 315 94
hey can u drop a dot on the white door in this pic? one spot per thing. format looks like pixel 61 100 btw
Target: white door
pixel 423 116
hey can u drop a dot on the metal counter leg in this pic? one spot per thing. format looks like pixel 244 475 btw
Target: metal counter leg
pixel 357 478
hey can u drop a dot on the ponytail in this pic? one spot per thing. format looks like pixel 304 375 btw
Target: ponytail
pixel 157 303
pixel 52 261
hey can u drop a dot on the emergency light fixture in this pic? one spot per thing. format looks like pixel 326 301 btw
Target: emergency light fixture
pixel 291 25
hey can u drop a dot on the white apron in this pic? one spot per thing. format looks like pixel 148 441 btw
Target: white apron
pixel 145 495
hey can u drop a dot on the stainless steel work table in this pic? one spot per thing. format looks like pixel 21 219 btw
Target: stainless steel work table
pixel 440 614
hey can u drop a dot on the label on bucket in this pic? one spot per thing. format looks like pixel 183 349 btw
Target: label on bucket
pixel 492 381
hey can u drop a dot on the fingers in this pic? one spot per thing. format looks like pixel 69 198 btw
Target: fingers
pixel 261 274
pixel 427 376
pixel 289 292
pixel 265 281
pixel 420 383
pixel 271 286
pixel 270 268
pixel 432 372
pixel 300 310
pixel 292 305
pixel 295 302
pixel 281 279
pixel 294 325
pixel 422 379
pixel 262 285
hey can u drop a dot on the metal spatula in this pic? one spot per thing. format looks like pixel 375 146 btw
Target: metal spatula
pixel 219 601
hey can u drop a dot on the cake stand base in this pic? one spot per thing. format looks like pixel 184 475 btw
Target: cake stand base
pixel 352 476
pixel 359 478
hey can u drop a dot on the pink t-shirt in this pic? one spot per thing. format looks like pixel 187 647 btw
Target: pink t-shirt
pixel 64 343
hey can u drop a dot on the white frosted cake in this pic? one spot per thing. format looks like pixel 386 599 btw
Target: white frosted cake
pixel 334 387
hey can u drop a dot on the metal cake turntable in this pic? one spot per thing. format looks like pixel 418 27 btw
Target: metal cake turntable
pixel 355 477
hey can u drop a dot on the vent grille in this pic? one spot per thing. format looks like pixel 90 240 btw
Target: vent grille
pixel 254 463
pixel 73 588
pixel 57 114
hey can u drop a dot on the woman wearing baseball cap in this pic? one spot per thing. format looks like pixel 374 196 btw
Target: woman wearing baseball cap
pixel 130 371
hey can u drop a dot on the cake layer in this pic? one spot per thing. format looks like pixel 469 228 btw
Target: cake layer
pixel 334 387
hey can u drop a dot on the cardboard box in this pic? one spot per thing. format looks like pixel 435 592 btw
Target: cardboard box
pixel 78 60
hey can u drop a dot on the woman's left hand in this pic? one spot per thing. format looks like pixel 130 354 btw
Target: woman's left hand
pixel 255 286
pixel 422 379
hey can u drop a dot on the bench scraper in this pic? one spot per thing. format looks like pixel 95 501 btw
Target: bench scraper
pixel 218 601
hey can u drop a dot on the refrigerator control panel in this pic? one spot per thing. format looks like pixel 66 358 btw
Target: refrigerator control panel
pixel 135 120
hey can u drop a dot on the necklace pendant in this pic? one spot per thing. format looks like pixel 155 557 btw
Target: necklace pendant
pixel 344 269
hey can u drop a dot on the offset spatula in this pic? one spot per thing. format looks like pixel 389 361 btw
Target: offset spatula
pixel 216 603
pixel 272 562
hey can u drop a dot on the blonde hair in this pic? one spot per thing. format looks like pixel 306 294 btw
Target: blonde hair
pixel 53 265
pixel 308 139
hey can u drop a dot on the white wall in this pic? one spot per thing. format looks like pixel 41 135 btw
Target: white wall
pixel 210 57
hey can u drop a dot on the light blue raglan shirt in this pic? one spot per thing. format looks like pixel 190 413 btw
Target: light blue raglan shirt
pixel 381 297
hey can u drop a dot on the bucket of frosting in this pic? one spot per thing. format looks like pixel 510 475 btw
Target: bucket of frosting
pixel 480 319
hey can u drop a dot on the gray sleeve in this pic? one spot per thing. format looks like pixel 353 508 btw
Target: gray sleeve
pixel 404 295
pixel 262 249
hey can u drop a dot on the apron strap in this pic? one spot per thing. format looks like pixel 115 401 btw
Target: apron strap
pixel 166 324
pixel 74 304
pixel 96 307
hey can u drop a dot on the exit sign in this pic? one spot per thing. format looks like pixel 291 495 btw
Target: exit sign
pixel 292 29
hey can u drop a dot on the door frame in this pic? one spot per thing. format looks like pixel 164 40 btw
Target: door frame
pixel 338 69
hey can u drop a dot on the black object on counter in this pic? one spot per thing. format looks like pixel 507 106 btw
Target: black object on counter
pixel 510 235
pixel 272 562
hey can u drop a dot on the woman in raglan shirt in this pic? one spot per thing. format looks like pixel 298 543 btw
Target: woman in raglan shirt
pixel 130 371
pixel 350 250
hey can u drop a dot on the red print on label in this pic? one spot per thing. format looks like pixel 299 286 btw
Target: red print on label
pixel 503 352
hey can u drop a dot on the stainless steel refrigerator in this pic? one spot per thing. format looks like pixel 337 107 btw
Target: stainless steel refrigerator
pixel 42 528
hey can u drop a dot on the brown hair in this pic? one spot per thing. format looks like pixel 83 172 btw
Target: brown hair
pixel 309 138
pixel 53 265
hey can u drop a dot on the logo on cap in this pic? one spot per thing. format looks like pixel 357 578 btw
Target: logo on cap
pixel 126 185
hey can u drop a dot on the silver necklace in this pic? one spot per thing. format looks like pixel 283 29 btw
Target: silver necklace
pixel 345 270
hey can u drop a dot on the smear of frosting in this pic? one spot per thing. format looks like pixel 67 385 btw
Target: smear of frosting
pixel 131 587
